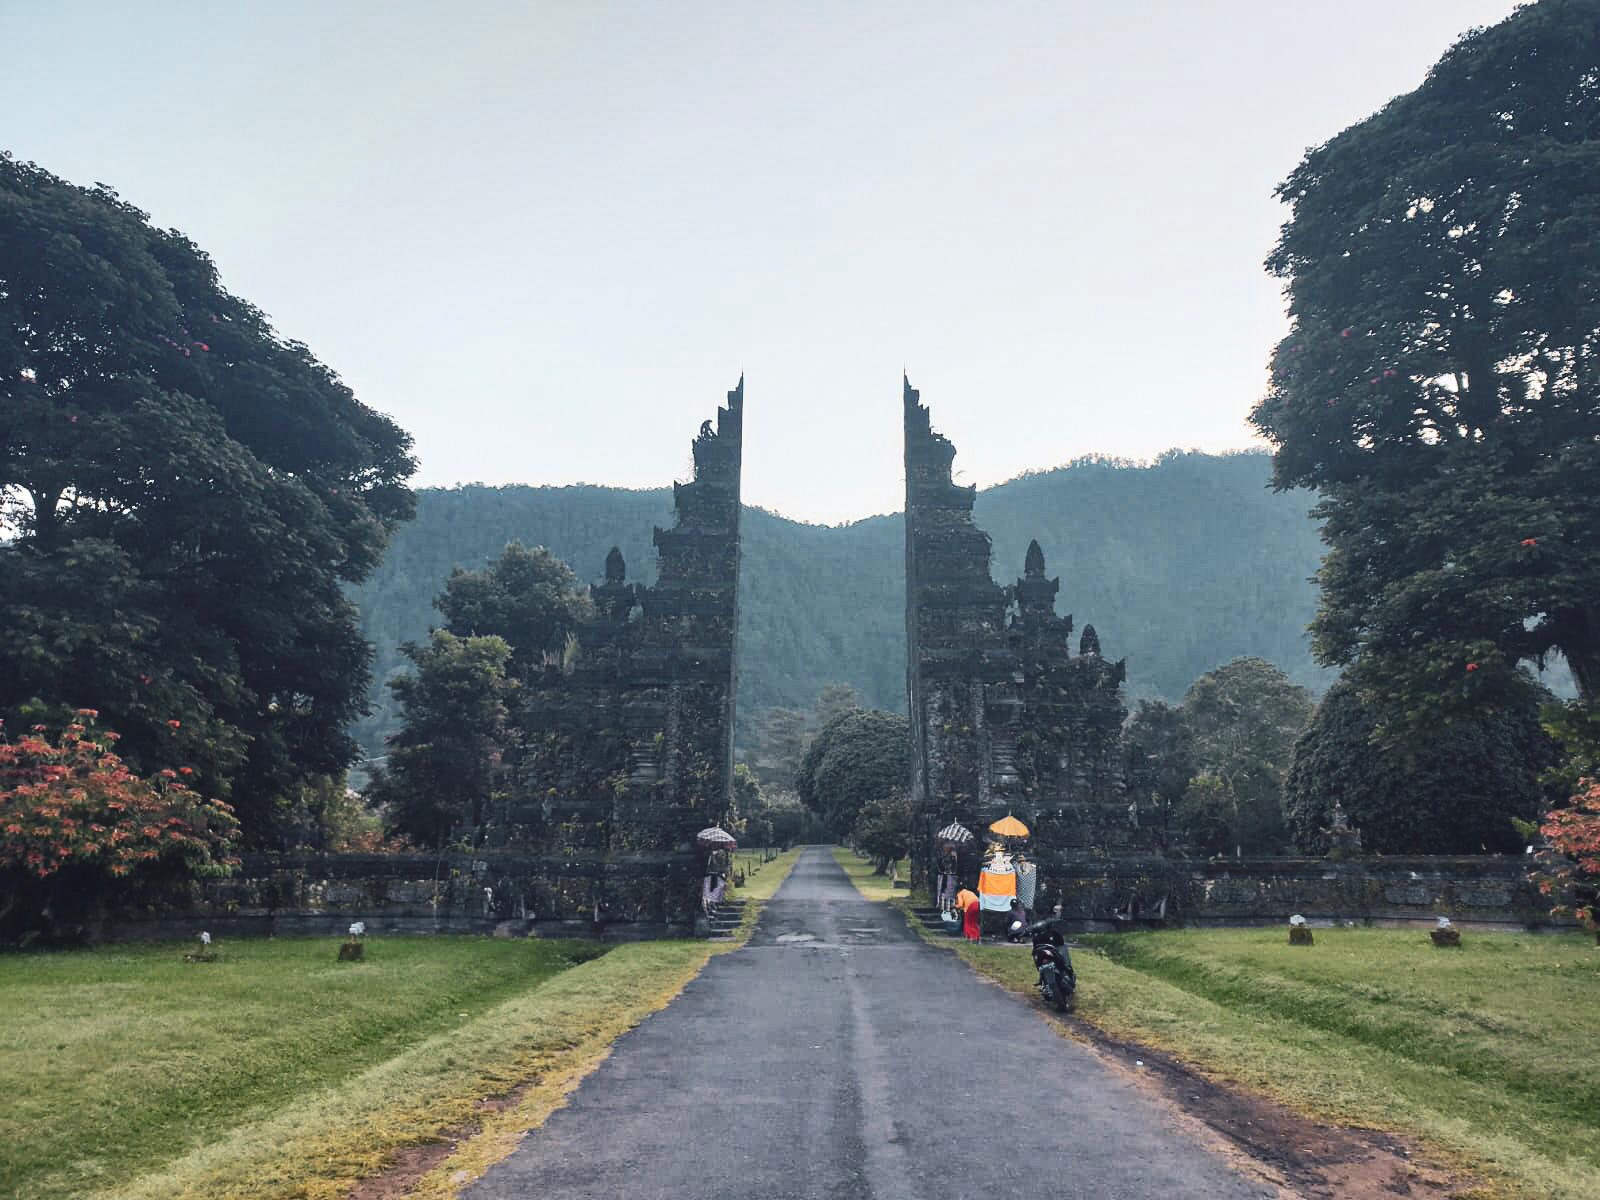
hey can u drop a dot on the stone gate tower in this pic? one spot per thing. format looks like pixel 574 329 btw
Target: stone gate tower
pixel 630 744
pixel 1004 717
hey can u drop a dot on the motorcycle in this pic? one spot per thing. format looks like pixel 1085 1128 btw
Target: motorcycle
pixel 1058 982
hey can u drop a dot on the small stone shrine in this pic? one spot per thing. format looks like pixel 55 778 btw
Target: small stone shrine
pixel 1344 842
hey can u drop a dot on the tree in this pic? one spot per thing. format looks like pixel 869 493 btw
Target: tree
pixel 1571 829
pixel 188 494
pixel 327 815
pixel 444 765
pixel 1241 721
pixel 1575 727
pixel 859 756
pixel 1573 832
pixel 1208 816
pixel 835 700
pixel 883 830
pixel 528 597
pixel 79 827
pixel 781 741
pixel 1160 759
pixel 792 821
pixel 1439 383
pixel 1457 790
pixel 747 817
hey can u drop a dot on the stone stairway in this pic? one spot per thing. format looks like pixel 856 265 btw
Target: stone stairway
pixel 723 920
pixel 928 918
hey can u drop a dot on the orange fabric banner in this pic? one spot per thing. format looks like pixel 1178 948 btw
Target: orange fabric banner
pixel 996 883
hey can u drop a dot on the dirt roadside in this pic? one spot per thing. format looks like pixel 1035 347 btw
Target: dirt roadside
pixel 1299 1155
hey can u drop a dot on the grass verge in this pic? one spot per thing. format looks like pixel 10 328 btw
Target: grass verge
pixel 873 887
pixel 1486 1054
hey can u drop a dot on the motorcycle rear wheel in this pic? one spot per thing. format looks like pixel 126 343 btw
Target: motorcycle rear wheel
pixel 1061 994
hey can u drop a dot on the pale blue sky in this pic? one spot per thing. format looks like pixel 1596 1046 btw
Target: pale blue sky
pixel 547 237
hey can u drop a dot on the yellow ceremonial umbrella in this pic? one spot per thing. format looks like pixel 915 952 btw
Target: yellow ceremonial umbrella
pixel 1009 826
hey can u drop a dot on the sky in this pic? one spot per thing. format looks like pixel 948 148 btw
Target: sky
pixel 548 237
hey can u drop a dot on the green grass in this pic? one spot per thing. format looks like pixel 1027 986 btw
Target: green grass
pixel 873 887
pixel 1490 1053
pixel 119 1059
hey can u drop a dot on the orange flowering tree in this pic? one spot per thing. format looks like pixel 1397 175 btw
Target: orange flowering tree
pixel 1574 834
pixel 79 829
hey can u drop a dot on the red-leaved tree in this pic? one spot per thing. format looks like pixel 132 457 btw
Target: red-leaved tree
pixel 77 828
pixel 1574 833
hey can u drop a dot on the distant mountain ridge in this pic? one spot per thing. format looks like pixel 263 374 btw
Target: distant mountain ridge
pixel 1181 565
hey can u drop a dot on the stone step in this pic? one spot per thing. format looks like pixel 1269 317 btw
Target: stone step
pixel 723 921
pixel 930 920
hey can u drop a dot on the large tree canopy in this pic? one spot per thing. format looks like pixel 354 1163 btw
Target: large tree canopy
pixel 1454 791
pixel 1441 381
pixel 1159 760
pixel 184 495
pixel 528 597
pixel 1240 723
pixel 861 755
pixel 444 766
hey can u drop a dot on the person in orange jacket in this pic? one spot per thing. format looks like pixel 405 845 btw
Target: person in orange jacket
pixel 967 906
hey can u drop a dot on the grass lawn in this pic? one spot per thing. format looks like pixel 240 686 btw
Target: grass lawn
pixel 277 1071
pixel 1489 1053
pixel 873 887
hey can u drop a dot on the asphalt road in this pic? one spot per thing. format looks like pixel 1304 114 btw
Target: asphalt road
pixel 837 1055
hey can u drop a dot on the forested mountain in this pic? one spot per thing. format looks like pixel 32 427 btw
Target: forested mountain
pixel 1181 566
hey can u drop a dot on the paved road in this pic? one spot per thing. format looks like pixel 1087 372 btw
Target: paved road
pixel 837 1055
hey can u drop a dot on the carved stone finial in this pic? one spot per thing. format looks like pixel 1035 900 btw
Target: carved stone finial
pixel 1033 564
pixel 706 432
pixel 616 568
pixel 1344 841
pixel 1089 643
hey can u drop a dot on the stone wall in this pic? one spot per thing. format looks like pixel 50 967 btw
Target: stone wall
pixel 493 892
pixel 1132 892
pixel 508 893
